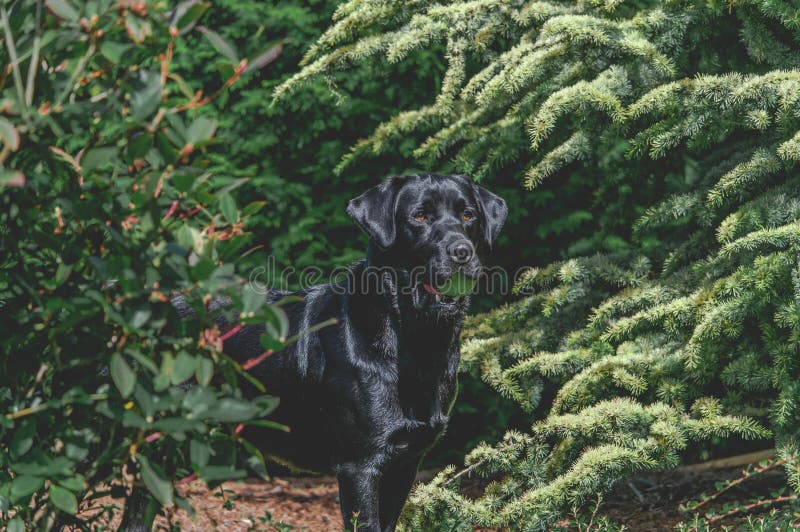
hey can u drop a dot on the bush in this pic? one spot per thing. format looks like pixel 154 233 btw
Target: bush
pixel 667 130
pixel 108 211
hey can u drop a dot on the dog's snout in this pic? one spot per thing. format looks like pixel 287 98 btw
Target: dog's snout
pixel 461 252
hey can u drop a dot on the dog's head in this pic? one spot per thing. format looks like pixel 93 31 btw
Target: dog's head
pixel 430 227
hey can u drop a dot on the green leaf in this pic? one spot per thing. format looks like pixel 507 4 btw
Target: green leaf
pixel 144 360
pixel 188 237
pixel 228 207
pixel 252 208
pixel 155 481
pixel 210 473
pixel 254 451
pixel 220 44
pixel 62 273
pixel 98 158
pixel 183 181
pixel 266 423
pixel 63 10
pixel 11 178
pixel 203 269
pixel 16 525
pixel 199 399
pixel 24 486
pixel 200 453
pixel 123 376
pixel 22 438
pixel 74 483
pixel 185 505
pixel 278 324
pixel 138 146
pixel 138 28
pixel 267 56
pixel 63 499
pixel 165 147
pixel 205 371
pixel 164 377
pixel 231 410
pixel 187 13
pixel 176 425
pixel 270 341
pixel 252 300
pixel 457 285
pixel 201 130
pixel 40 465
pixel 184 87
pixel 9 134
pixel 184 367
pixel 114 51
pixel 139 318
pixel 146 94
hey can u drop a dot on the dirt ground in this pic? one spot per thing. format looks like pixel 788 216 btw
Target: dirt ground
pixel 646 503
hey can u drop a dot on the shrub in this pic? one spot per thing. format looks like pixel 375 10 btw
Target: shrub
pixel 671 128
pixel 107 211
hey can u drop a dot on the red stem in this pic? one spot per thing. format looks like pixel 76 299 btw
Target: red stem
pixel 171 211
pixel 231 332
pixel 253 362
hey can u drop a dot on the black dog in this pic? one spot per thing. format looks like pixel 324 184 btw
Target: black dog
pixel 367 397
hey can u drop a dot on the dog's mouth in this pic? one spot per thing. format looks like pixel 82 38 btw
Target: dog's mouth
pixel 427 297
pixel 438 296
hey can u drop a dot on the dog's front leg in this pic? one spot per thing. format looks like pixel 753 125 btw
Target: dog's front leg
pixel 358 496
pixel 394 488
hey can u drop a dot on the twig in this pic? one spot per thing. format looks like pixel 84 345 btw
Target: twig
pixel 468 469
pixel 731 461
pixel 312 329
pixel 748 507
pixel 745 475
pixel 44 406
pixel 171 211
pixel 75 75
pixel 594 511
pixel 636 491
pixel 4 154
pixel 255 361
pixel 231 332
pixel 12 52
pixel 34 66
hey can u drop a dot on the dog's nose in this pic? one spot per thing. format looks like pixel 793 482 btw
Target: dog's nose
pixel 461 252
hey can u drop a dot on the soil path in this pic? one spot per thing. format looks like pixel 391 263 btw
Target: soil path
pixel 646 503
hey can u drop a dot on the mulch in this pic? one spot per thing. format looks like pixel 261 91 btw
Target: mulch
pixel 646 503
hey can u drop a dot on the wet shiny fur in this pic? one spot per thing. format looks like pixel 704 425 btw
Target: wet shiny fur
pixel 367 397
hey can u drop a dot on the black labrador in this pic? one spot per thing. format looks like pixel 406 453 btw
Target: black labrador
pixel 367 397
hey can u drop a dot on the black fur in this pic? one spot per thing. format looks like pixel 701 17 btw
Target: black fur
pixel 367 397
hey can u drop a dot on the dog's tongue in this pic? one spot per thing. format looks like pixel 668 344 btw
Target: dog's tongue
pixel 431 290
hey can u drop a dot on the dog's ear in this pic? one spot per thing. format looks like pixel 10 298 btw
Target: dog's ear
pixel 374 211
pixel 494 211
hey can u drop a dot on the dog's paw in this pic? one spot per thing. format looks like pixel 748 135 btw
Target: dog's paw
pixel 413 424
pixel 438 422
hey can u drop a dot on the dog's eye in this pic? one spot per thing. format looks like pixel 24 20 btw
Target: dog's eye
pixel 419 216
pixel 468 216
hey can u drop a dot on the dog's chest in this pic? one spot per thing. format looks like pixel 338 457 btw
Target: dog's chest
pixel 426 371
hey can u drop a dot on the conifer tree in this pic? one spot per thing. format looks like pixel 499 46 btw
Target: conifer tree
pixel 686 329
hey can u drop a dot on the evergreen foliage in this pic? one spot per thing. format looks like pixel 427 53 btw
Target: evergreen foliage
pixel 677 319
